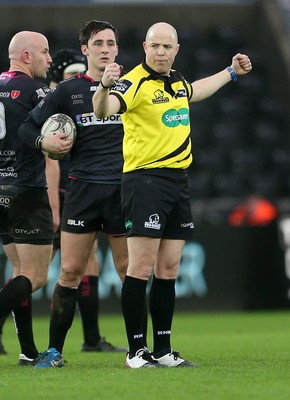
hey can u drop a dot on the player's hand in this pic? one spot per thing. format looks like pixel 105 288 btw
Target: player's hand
pixel 111 74
pixel 241 64
pixel 57 144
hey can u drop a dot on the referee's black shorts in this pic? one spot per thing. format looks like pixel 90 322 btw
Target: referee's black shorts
pixel 156 203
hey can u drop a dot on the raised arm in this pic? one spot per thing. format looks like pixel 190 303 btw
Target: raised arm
pixel 204 88
pixel 103 104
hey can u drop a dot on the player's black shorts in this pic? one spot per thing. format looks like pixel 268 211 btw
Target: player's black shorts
pixel 156 203
pixel 92 207
pixel 25 215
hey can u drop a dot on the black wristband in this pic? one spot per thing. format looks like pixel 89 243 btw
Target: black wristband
pixel 105 87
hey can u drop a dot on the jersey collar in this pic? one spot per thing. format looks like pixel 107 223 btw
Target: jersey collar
pixel 168 80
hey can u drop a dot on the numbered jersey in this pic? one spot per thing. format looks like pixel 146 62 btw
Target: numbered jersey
pixel 20 165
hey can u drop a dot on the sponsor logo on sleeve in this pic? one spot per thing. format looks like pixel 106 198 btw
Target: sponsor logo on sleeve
pixel 122 86
pixel 42 92
pixel 181 93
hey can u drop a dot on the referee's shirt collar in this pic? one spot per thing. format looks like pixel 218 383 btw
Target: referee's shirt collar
pixel 168 80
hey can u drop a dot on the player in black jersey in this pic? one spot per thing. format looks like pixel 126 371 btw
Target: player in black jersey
pixel 154 101
pixel 92 199
pixel 25 215
pixel 65 64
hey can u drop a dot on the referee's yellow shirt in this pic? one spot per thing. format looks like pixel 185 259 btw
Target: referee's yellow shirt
pixel 155 115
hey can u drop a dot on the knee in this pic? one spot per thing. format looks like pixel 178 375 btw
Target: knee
pixel 39 282
pixel 168 272
pixel 70 276
pixel 143 273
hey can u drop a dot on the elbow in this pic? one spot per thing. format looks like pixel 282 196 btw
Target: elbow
pixel 21 131
pixel 99 111
pixel 24 135
pixel 28 133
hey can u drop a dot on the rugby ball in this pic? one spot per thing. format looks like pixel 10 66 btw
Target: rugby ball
pixel 58 123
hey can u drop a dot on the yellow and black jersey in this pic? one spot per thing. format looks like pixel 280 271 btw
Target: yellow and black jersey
pixel 155 115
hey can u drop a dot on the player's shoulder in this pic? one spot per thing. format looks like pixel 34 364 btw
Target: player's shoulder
pixel 71 84
pixel 38 88
pixel 74 80
pixel 26 86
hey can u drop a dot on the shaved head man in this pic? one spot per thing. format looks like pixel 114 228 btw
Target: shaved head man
pixel 26 228
pixel 29 52
pixel 161 36
pixel 154 102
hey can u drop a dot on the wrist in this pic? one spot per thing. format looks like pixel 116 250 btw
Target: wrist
pixel 38 142
pixel 103 86
pixel 234 76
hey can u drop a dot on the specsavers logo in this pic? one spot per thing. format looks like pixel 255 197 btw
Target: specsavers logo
pixel 172 118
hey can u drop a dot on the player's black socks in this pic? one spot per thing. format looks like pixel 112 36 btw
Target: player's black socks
pixel 23 321
pixel 14 293
pixel 133 300
pixel 161 304
pixel 3 319
pixel 62 314
pixel 2 322
pixel 88 302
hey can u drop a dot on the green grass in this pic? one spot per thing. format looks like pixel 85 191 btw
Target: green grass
pixel 242 356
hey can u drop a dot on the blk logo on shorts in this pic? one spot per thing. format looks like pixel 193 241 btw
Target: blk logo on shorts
pixel 75 223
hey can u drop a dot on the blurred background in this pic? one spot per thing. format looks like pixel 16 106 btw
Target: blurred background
pixel 240 178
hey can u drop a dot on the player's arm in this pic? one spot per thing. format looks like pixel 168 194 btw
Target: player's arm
pixel 204 88
pixel 29 133
pixel 104 104
pixel 52 171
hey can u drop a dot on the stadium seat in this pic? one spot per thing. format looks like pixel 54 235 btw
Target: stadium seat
pixel 229 134
pixel 268 133
pixel 212 160
pixel 248 161
pixel 269 185
pixel 229 185
pixel 200 185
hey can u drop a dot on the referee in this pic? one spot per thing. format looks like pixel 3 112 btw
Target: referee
pixel 154 102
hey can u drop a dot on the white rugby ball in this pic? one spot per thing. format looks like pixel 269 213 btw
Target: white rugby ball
pixel 58 123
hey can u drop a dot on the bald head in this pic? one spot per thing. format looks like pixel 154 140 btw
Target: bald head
pixel 25 50
pixel 24 40
pixel 162 28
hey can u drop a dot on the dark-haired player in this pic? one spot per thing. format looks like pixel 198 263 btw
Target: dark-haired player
pixel 25 215
pixel 92 199
pixel 65 64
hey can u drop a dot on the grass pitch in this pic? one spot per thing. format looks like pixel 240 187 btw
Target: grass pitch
pixel 242 356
